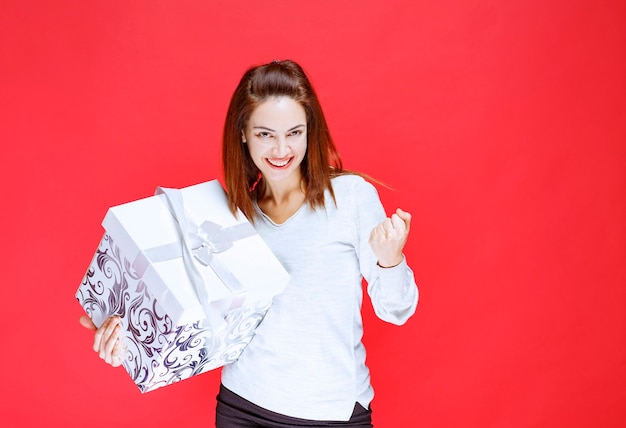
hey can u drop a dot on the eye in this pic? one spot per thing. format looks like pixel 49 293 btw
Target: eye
pixel 264 135
pixel 296 133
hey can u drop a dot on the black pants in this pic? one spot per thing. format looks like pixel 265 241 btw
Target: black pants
pixel 234 411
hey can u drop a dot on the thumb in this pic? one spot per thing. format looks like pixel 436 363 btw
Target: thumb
pixel 405 216
pixel 86 322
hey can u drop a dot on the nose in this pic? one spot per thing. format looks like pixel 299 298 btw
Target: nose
pixel 281 147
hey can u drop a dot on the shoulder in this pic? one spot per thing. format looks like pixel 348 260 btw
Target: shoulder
pixel 354 188
pixel 351 183
pixel 358 202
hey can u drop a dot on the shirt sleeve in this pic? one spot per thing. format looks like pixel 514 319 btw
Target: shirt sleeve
pixel 393 290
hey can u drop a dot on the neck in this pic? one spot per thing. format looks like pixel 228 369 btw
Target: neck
pixel 280 194
pixel 283 191
pixel 282 200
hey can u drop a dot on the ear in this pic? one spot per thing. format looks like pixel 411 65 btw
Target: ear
pixel 243 137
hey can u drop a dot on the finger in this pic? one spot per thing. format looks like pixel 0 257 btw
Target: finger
pixel 86 322
pixel 398 224
pixel 117 354
pixel 108 347
pixel 375 234
pixel 378 229
pixel 116 361
pixel 105 332
pixel 98 336
pixel 112 348
pixel 111 341
pixel 387 227
pixel 405 216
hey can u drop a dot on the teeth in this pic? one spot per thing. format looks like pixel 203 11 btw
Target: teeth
pixel 279 163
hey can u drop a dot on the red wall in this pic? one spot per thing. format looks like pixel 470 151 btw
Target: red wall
pixel 500 124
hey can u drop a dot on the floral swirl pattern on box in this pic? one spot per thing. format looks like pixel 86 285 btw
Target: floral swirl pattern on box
pixel 158 352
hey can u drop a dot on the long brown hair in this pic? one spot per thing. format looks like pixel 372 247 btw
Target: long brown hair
pixel 321 162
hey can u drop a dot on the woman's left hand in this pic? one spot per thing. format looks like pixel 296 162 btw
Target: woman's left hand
pixel 389 237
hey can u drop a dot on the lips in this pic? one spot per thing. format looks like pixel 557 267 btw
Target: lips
pixel 279 163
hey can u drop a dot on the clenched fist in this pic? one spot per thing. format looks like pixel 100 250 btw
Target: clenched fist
pixel 389 237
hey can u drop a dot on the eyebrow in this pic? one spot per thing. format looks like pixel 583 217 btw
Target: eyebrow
pixel 272 130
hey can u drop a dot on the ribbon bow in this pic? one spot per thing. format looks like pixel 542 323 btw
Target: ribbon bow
pixel 201 243
pixel 210 238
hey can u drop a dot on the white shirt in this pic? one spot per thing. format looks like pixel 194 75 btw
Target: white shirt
pixel 307 359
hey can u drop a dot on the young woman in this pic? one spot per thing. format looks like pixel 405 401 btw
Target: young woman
pixel 306 363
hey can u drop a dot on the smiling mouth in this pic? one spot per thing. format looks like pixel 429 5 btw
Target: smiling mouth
pixel 279 163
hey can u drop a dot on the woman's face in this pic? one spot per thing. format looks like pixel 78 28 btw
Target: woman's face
pixel 276 137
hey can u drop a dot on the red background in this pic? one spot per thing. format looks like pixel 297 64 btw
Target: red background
pixel 500 124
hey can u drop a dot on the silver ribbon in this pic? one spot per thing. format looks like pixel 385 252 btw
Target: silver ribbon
pixel 198 244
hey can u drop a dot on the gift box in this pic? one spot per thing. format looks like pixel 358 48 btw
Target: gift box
pixel 190 281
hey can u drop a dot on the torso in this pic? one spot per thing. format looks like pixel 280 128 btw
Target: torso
pixel 306 359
